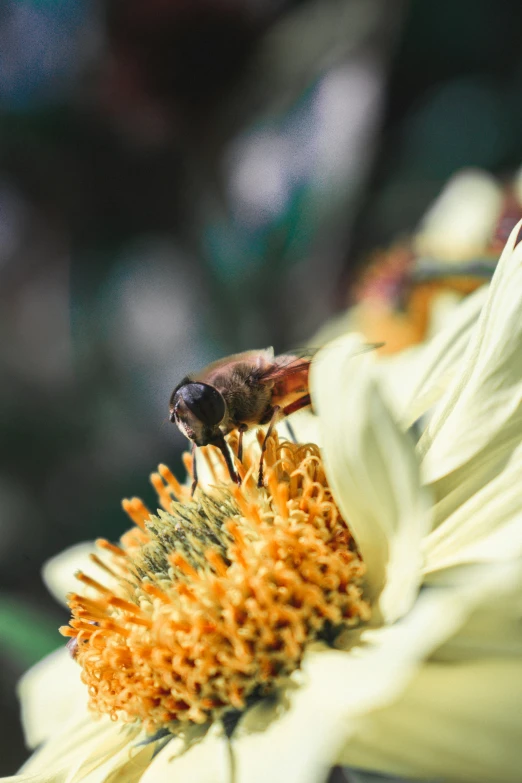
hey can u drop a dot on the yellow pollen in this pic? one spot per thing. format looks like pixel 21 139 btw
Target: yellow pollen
pixel 217 596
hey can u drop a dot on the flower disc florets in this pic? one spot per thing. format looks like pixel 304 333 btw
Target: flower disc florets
pixel 213 601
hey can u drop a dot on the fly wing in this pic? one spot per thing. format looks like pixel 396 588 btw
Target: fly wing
pixel 288 377
pixel 289 374
pixel 282 366
pixel 258 359
pixel 290 364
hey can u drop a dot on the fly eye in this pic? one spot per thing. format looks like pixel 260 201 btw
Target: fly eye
pixel 204 401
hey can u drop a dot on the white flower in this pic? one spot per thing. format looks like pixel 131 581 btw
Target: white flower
pixel 461 222
pixel 434 686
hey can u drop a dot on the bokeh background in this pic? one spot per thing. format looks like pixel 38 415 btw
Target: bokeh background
pixel 181 180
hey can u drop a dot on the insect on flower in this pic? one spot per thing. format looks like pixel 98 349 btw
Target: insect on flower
pixel 237 393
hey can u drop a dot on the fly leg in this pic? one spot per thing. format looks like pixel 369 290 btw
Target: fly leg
pixel 302 402
pixel 241 428
pixel 194 471
pixel 296 405
pixel 223 447
pixel 275 415
pixel 291 432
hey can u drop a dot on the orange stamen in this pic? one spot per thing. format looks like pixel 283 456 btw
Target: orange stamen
pixel 187 463
pixel 137 511
pixel 175 487
pixel 66 630
pixel 99 562
pixel 90 582
pixel 102 543
pixel 217 562
pixel 189 642
pixel 179 561
pixel 164 497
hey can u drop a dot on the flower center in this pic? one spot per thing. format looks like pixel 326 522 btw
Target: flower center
pixel 212 602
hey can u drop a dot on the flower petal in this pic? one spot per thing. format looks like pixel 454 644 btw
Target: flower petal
pixel 50 693
pixel 493 628
pixel 485 515
pixel 305 427
pixel 82 746
pixel 418 377
pixel 478 671
pixel 207 761
pixel 58 572
pixel 89 751
pixel 373 471
pixel 454 722
pixel 126 765
pixel 71 744
pixel 460 223
pixel 298 744
pixel 59 776
pixel 485 400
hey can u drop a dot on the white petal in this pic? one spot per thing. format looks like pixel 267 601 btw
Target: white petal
pixel 58 572
pixel 298 743
pixel 50 693
pixel 485 399
pixel 208 761
pixel 305 426
pixel 82 738
pixel 59 776
pixel 454 722
pixel 479 517
pixel 373 471
pixel 462 220
pixel 418 377
pixel 110 763
pixel 493 628
pixel 89 751
pixel 457 718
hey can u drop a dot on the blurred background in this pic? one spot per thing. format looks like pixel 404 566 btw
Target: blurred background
pixel 181 180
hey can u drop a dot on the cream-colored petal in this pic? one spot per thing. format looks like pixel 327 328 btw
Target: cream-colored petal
pixel 51 693
pixel 479 519
pixel 296 747
pixel 82 743
pixel 299 743
pixel 460 712
pixel 58 572
pixel 493 628
pixel 126 765
pixel 454 722
pixel 417 378
pixel 305 426
pixel 461 222
pixel 441 309
pixel 373 471
pixel 485 400
pixel 453 490
pixel 207 761
pixel 58 776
